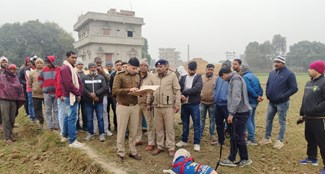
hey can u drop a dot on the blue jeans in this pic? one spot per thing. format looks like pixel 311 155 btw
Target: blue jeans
pixel 31 111
pixel 250 125
pixel 211 108
pixel 282 109
pixel 221 117
pixel 98 107
pixel 62 113
pixel 70 120
pixel 144 123
pixel 193 111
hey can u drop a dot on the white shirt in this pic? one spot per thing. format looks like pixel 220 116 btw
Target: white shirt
pixel 189 81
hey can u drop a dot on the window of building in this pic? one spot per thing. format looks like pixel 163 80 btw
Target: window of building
pixel 107 31
pixel 130 33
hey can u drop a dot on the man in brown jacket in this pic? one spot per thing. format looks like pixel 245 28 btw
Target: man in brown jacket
pixel 127 108
pixel 207 102
pixel 145 107
pixel 37 93
pixel 166 103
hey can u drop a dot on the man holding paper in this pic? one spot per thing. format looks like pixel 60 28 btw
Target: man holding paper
pixel 127 108
pixel 145 109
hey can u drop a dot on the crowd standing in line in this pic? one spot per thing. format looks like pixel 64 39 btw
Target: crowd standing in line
pixel 230 99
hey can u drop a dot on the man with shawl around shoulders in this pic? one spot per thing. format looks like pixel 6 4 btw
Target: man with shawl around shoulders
pixel 71 91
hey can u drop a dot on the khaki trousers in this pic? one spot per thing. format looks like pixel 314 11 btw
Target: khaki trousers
pixel 148 115
pixel 127 117
pixel 164 121
pixel 8 112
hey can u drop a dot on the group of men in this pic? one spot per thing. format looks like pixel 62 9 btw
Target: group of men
pixel 231 99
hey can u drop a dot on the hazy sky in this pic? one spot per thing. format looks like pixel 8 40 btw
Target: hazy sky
pixel 210 27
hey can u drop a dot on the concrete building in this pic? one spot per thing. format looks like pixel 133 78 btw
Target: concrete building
pixel 113 35
pixel 172 56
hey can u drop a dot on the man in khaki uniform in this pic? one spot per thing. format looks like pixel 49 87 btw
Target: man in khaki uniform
pixel 166 104
pixel 127 108
pixel 145 107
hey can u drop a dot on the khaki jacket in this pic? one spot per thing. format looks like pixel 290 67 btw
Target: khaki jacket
pixel 37 91
pixel 207 93
pixel 169 93
pixel 123 82
pixel 147 80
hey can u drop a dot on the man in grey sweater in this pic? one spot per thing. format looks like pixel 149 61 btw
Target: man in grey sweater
pixel 238 108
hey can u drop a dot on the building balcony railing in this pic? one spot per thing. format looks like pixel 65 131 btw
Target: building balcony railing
pixel 109 40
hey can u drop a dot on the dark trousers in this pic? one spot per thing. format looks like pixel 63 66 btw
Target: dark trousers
pixel 82 109
pixel 111 101
pixel 315 136
pixel 8 112
pixel 37 103
pixel 237 141
pixel 26 103
pixel 221 115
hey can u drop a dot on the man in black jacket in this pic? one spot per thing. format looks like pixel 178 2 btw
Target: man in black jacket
pixel 111 100
pixel 93 94
pixel 191 86
pixel 312 111
pixel 280 86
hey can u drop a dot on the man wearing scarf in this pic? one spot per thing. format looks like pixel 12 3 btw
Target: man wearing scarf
pixel 11 98
pixel 71 91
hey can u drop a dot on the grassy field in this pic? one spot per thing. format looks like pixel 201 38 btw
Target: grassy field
pixel 41 152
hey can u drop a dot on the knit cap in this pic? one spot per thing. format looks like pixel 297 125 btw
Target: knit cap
pixel 144 61
pixel 91 64
pixel 318 66
pixel 79 61
pixel 109 63
pixel 12 66
pixel 244 68
pixel 280 59
pixel 39 60
pixel 3 58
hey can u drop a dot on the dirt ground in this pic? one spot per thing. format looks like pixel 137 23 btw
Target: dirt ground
pixel 42 152
pixel 265 158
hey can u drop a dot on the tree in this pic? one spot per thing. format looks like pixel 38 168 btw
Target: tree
pixel 34 38
pixel 144 50
pixel 280 44
pixel 258 56
pixel 303 53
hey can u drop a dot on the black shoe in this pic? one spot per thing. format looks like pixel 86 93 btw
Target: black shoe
pixel 136 157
